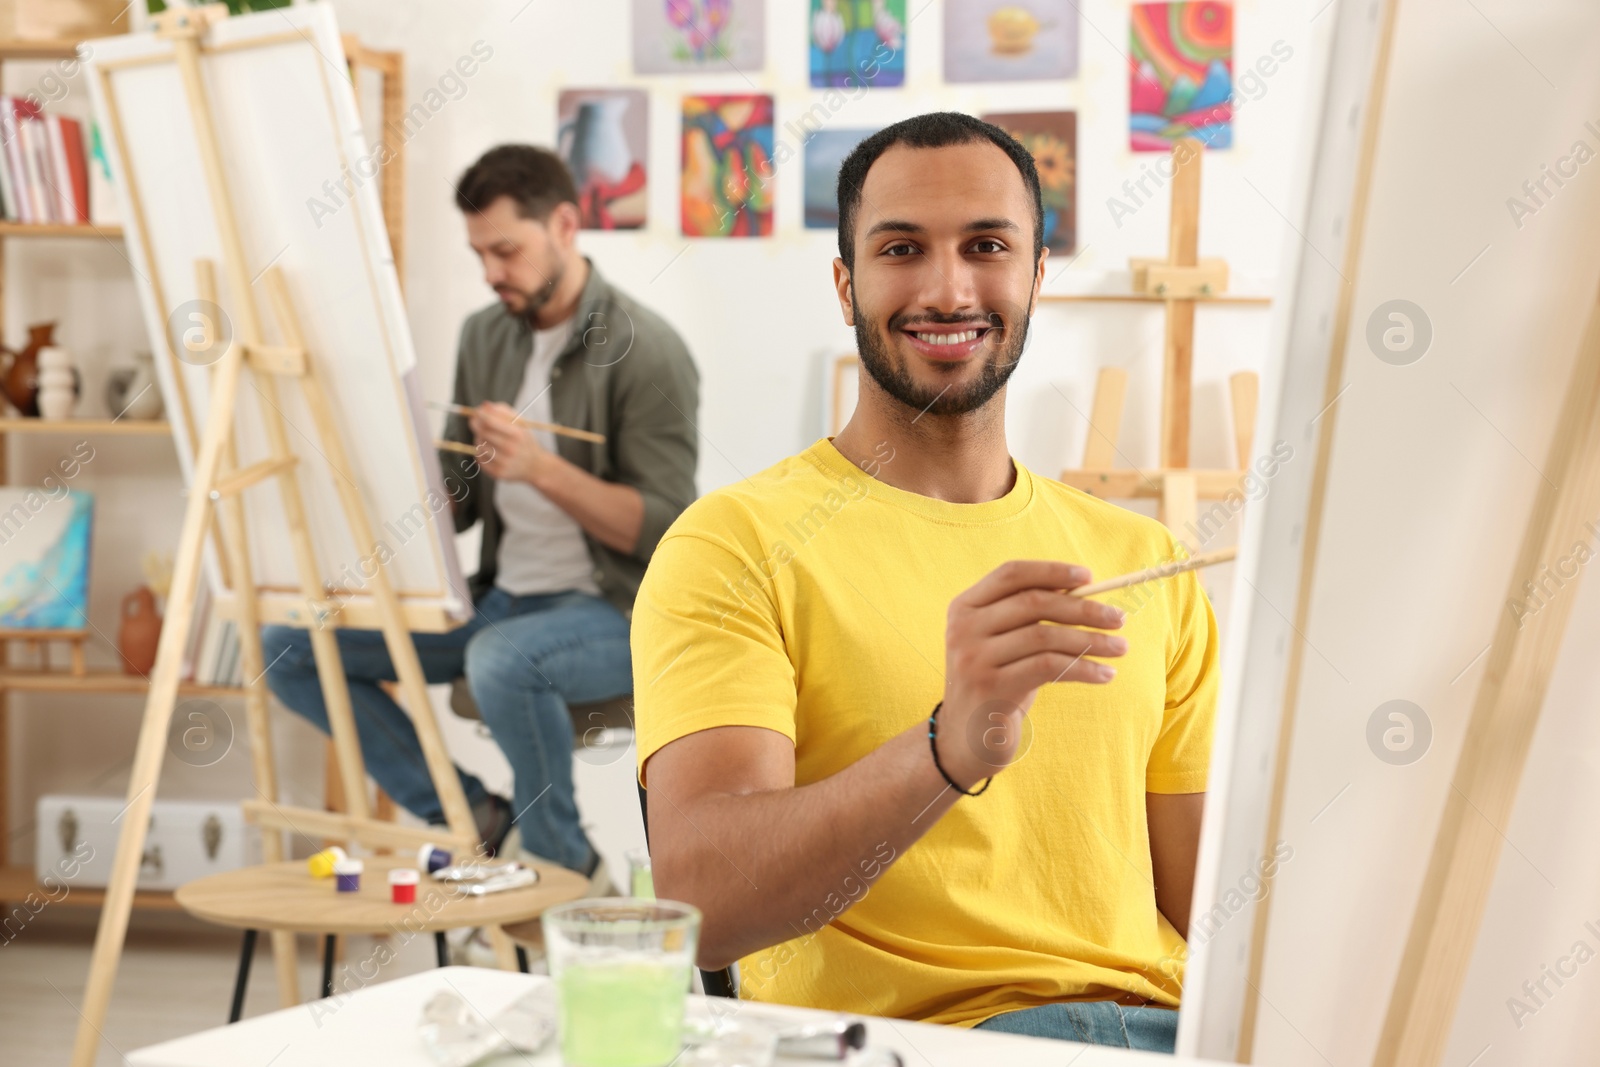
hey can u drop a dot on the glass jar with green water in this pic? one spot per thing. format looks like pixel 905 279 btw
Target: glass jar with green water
pixel 640 882
pixel 621 968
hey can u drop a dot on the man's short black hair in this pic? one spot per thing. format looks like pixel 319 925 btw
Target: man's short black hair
pixel 937 129
pixel 535 178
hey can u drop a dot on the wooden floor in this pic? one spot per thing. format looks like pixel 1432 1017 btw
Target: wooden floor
pixel 176 978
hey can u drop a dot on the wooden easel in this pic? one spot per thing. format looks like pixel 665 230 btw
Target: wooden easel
pixel 214 495
pixel 1181 281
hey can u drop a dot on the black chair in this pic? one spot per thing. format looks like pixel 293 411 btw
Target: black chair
pixel 716 983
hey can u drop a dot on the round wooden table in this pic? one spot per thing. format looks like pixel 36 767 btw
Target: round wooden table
pixel 284 896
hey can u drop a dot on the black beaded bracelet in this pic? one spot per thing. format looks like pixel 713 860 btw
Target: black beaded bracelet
pixel 933 744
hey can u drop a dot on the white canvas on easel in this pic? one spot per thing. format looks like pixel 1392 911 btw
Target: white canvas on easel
pixel 1427 502
pixel 303 183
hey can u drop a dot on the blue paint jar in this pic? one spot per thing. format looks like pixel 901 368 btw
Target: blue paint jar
pixel 347 876
pixel 432 858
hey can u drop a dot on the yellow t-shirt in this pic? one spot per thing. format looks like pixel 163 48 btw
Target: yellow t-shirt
pixel 811 599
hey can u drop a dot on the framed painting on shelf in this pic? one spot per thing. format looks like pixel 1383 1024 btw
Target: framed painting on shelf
pixel 44 558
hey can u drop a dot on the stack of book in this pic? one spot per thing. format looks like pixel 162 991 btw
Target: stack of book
pixel 44 173
pixel 212 657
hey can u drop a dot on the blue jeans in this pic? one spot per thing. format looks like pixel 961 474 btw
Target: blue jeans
pixel 525 658
pixel 1093 1022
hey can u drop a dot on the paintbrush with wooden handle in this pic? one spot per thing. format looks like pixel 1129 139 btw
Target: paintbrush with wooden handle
pixel 530 424
pixel 1161 570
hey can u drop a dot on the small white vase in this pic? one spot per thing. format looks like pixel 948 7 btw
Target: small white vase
pixel 58 383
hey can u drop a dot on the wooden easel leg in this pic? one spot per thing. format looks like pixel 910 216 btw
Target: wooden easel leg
pixel 332 781
pixel 151 747
pixel 1245 388
pixel 257 715
pixel 252 662
pixel 1105 419
pixel 1177 373
pixel 1183 246
pixel 1178 504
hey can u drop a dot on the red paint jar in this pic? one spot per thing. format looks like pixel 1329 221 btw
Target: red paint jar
pixel 403 885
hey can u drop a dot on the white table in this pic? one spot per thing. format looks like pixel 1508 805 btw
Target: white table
pixel 378 1025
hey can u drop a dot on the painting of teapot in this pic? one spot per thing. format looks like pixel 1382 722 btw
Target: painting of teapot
pixel 601 137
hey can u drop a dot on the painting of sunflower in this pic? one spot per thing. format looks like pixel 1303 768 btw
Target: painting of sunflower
pixel 1052 138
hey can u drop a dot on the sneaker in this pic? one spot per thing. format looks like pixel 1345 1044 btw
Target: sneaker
pixel 494 822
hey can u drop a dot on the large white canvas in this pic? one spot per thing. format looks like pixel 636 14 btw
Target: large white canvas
pixel 1432 473
pixel 302 180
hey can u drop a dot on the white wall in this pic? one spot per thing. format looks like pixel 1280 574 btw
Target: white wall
pixel 759 315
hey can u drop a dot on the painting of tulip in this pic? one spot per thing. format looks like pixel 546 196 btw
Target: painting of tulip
pixel 699 36
pixel 1052 138
pixel 602 137
pixel 856 43
pixel 1180 66
pixel 727 166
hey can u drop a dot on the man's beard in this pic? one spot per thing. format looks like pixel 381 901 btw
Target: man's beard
pixel 533 300
pixel 1003 346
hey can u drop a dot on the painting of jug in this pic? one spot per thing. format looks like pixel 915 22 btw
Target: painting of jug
pixel 602 135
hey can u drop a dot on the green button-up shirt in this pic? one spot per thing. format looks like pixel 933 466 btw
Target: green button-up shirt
pixel 624 373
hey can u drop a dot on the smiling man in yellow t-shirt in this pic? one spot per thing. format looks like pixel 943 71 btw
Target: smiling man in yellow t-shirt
pixel 801 634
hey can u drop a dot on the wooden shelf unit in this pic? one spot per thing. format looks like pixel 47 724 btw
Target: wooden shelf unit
pixel 102 427
pixel 15 48
pixel 59 229
pixel 99 681
pixel 16 882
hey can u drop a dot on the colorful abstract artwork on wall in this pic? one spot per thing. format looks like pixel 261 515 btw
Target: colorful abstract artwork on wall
pixel 1180 63
pixel 825 152
pixel 858 43
pixel 44 558
pixel 1052 137
pixel 728 173
pixel 699 36
pixel 603 137
pixel 1010 40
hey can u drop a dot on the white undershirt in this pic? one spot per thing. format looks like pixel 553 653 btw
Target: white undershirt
pixel 542 548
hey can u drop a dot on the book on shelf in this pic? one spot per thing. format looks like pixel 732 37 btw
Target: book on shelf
pixel 45 172
pixel 199 626
pixel 13 112
pixel 218 662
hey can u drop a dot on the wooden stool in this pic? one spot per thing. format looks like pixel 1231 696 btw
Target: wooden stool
pixel 587 719
pixel 284 896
